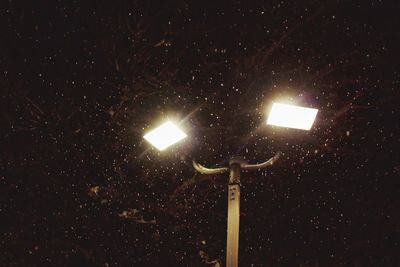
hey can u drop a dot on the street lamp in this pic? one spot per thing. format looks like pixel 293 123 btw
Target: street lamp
pixel 282 115
pixel 292 116
pixel 165 135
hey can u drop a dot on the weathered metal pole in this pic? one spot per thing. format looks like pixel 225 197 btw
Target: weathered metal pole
pixel 232 243
pixel 235 166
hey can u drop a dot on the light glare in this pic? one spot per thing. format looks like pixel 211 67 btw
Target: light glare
pixel 292 116
pixel 165 135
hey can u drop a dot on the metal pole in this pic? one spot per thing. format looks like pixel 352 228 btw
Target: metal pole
pixel 235 165
pixel 232 244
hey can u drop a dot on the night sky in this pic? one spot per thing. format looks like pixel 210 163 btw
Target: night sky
pixel 82 81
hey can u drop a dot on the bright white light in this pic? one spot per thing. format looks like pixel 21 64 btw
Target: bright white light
pixel 165 135
pixel 292 116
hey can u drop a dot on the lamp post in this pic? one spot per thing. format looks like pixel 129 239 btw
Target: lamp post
pixel 281 115
pixel 235 166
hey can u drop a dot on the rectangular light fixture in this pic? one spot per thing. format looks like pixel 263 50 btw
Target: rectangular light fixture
pixel 292 116
pixel 165 135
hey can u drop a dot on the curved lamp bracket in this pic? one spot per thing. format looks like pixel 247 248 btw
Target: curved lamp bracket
pixel 204 170
pixel 263 165
pixel 243 165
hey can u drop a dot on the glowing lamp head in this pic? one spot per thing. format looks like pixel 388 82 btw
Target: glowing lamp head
pixel 165 135
pixel 292 116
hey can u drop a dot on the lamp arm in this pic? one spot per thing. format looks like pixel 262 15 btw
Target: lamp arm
pixel 200 168
pixel 263 165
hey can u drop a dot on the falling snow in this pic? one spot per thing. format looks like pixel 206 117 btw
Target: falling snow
pixel 82 83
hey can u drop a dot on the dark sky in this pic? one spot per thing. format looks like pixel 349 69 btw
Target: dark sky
pixel 82 81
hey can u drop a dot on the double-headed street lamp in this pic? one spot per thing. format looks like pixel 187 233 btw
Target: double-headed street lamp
pixel 280 115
